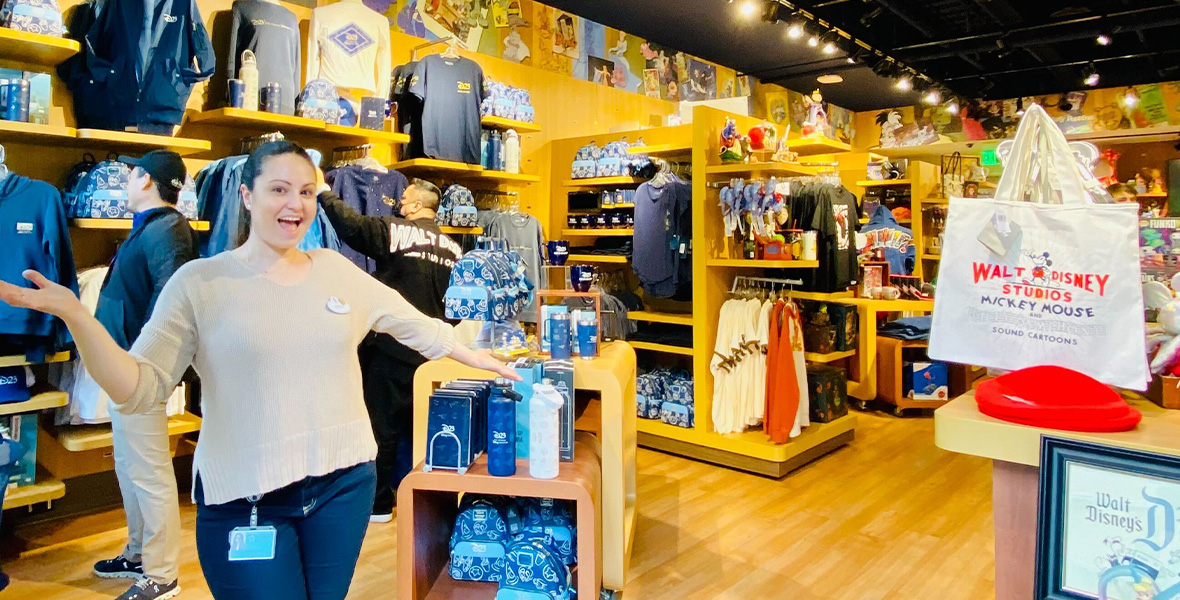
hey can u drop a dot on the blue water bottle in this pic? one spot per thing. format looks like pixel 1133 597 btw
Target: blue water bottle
pixel 502 429
pixel 495 148
pixel 485 149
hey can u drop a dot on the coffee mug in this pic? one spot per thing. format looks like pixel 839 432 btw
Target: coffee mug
pixel 890 293
pixel 978 173
pixel 582 277
pixel 559 252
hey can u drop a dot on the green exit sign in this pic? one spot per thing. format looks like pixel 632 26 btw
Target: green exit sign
pixel 988 157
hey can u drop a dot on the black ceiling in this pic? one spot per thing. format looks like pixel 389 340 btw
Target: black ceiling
pixel 977 48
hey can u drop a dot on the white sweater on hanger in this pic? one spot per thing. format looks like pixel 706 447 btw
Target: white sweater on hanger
pixel 348 44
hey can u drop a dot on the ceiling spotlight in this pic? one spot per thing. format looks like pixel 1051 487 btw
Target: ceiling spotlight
pixel 904 83
pixel 933 97
pixel 830 78
pixel 749 7
pixel 1103 39
pixel 953 107
pixel 829 47
pixel 851 60
pixel 795 31
pixel 813 41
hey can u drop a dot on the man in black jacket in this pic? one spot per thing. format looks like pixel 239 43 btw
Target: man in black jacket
pixel 161 241
pixel 414 257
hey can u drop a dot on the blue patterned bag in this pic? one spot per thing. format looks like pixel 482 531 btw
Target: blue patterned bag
pixel 649 395
pixel 458 205
pixel 187 202
pixel 319 100
pixel 533 570
pixel 554 518
pixel 678 407
pixel 585 162
pixel 102 192
pixel 479 543
pixel 613 160
pixel 488 284
pixel 32 16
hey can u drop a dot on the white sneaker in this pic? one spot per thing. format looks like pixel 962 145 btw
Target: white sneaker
pixel 383 518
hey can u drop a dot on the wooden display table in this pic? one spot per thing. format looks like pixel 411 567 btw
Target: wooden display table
pixel 428 503
pixel 1015 451
pixel 612 377
pixel 865 386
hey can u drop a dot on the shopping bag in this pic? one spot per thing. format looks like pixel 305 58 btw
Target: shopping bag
pixel 1042 275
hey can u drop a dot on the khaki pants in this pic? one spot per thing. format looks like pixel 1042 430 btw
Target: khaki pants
pixel 143 465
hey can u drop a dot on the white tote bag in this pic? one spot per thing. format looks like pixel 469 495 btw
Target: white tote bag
pixel 1042 275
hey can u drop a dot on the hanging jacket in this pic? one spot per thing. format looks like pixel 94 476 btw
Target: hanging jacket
pixel 370 193
pixel 91 106
pixel 218 201
pixel 147 73
pixel 154 250
pixel 883 231
pixel 35 236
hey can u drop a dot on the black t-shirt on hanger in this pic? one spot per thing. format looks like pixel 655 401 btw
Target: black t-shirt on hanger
pixel 451 90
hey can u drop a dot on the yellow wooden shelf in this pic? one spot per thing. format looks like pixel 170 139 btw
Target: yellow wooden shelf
pixel 510 177
pixel 19 360
pixel 891 305
pixel 829 357
pixel 461 230
pixel 1153 195
pixel 934 152
pixel 125 224
pixel 371 136
pixel 626 205
pixel 102 138
pixel 761 168
pixel 37 402
pixel 502 123
pixel 666 150
pixel 939 201
pixel 241 118
pixel 79 438
pixel 816 145
pixel 660 317
pixel 598 258
pixel 753 444
pixel 434 164
pixel 603 181
pixel 35 49
pixel 665 348
pixel 865 221
pixel 44 491
pixel 884 183
pixel 596 232
pixel 35 133
pixel 820 296
pixel 763 264
pixel 931 257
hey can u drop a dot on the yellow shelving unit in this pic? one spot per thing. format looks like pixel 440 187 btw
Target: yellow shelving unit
pixel 822 297
pixel 46 490
pixel 603 181
pixel 124 140
pixel 79 438
pixel 665 348
pixel 596 232
pixel 240 118
pixel 662 150
pixel 884 182
pixel 762 264
pixel 433 164
pixel 931 257
pixel 505 124
pixel 829 357
pixel 125 224
pixel 38 402
pixel 598 258
pixel 660 317
pixel 761 169
pixel 816 145
pixel 461 230
pixel 35 50
pixel 372 136
pixel 19 361
pixel 36 133
pixel 510 177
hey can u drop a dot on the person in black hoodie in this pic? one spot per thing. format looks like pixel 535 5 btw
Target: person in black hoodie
pixel 161 241
pixel 414 257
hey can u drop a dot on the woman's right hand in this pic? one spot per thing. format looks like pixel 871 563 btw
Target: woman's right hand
pixel 48 297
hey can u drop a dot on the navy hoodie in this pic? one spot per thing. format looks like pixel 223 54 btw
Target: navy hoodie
pixel 884 231
pixel 147 73
pixel 34 236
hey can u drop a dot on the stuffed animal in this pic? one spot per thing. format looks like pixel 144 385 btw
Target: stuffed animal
pixel 1163 337
pixel 731 150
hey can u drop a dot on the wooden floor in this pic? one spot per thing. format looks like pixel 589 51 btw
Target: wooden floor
pixel 890 517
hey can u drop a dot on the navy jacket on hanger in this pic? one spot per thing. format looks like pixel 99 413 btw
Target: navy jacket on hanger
pixel 146 61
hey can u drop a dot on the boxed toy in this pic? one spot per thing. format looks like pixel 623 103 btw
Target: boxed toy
pixel 845 321
pixel 827 392
pixel 925 381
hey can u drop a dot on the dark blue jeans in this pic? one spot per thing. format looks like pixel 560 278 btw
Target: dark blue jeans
pixel 321 523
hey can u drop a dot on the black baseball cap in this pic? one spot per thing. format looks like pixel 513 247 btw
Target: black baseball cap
pixel 165 166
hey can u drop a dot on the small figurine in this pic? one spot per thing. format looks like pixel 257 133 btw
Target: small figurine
pixel 1155 183
pixel 816 124
pixel 731 150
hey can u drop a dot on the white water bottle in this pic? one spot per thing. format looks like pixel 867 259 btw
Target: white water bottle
pixel 511 152
pixel 544 430
pixel 248 73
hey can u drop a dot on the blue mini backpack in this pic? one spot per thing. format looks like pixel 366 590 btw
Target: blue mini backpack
pixel 533 570
pixel 613 160
pixel 32 16
pixel 102 192
pixel 479 543
pixel 457 208
pixel 488 284
pixel 649 395
pixel 554 518
pixel 319 100
pixel 585 161
pixel 678 407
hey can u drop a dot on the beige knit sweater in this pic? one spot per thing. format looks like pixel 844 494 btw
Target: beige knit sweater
pixel 281 383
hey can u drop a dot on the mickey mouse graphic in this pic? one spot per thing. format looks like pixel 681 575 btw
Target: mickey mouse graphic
pixel 1041 263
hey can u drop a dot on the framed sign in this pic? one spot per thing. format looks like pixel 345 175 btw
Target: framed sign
pixel 1107 523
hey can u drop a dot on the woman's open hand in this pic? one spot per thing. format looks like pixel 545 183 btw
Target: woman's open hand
pixel 47 297
pixel 483 359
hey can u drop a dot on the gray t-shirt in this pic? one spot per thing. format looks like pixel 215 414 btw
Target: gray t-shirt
pixel 451 90
pixel 524 235
pixel 271 32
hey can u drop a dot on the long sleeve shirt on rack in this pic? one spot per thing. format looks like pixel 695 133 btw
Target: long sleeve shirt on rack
pixel 348 44
pixel 370 193
pixel 525 236
pixel 280 376
pixel 271 32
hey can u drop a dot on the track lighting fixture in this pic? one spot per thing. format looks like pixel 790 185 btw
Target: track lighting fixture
pixel 797 27
pixel 748 8
pixel 1103 39
pixel 904 83
pixel 932 97
pixel 771 13
pixel 1090 75
pixel 953 107
pixel 829 43
pixel 813 41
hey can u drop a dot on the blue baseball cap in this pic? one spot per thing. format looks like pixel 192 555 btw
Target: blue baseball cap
pixel 14 385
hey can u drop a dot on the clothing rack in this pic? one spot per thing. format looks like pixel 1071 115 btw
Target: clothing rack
pixel 444 40
pixel 742 280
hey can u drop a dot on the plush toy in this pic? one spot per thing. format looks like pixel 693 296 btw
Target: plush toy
pixel 757 138
pixel 1163 337
pixel 731 150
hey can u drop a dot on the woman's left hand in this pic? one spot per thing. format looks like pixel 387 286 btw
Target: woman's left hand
pixel 483 359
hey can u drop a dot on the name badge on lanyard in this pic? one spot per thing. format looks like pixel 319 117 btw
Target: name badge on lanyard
pixel 253 542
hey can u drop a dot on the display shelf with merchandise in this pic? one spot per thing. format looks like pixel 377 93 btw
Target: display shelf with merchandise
pixel 934 152
pixel 41 401
pixel 36 133
pixel 761 169
pixel 604 181
pixel 816 145
pixel 867 344
pixel 883 183
pixel 124 224
pixel 752 263
pixel 665 348
pixel 938 201
pixel 829 357
pixel 35 50
pixel 255 120
pixel 447 229
pixel 598 258
pixel 596 232
pixel 506 124
pixel 20 360
pixel 507 177
pixel 820 296
pixel 80 438
pixel 45 490
pixel 660 317
pixel 667 151
pixel 436 165
pixel 125 140
pixel 352 133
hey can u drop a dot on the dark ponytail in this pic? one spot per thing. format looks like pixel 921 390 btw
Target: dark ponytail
pixel 253 167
